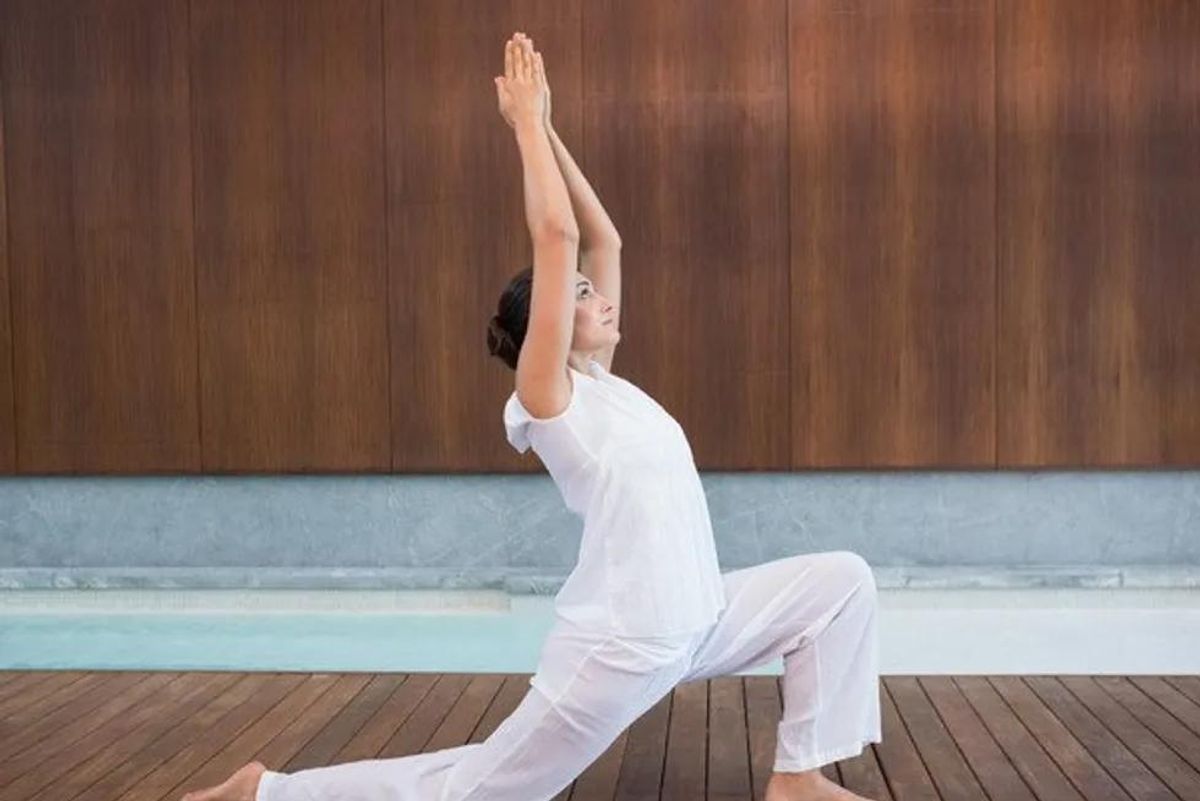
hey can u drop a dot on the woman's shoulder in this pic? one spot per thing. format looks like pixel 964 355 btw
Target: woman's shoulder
pixel 520 422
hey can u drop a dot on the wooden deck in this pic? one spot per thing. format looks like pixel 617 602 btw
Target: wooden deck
pixel 143 736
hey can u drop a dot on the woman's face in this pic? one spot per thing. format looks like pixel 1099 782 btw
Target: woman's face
pixel 595 318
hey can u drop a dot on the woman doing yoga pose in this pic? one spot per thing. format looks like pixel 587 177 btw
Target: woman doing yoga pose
pixel 646 606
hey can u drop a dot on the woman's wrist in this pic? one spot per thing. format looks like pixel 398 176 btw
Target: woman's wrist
pixel 528 126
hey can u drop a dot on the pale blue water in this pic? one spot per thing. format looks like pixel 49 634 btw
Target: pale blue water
pixel 320 641
pixel 921 632
pixel 283 641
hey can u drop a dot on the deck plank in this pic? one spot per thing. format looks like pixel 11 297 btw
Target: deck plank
pixel 414 733
pixel 23 682
pixel 510 695
pixel 1165 725
pixel 1024 752
pixel 42 698
pixel 685 773
pixel 212 721
pixel 728 757
pixel 1182 707
pixel 466 713
pixel 1188 685
pixel 323 749
pixel 764 708
pixel 76 770
pixel 988 762
pixel 314 720
pixel 645 750
pixel 61 733
pixel 907 775
pixel 236 751
pixel 1174 772
pixel 76 717
pixel 151 736
pixel 947 767
pixel 1138 781
pixel 369 741
pixel 207 743
pixel 1071 756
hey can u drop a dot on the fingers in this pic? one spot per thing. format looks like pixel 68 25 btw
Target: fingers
pixel 526 61
pixel 519 57
pixel 521 61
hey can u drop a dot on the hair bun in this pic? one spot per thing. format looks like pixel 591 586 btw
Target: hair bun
pixel 499 335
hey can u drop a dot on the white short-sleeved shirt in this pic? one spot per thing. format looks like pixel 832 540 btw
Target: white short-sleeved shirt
pixel 647 562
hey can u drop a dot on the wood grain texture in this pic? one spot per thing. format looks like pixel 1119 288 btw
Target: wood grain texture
pixel 893 237
pixel 99 217
pixel 288 143
pixel 267 236
pixel 1099 251
pixel 685 140
pixel 8 419
pixel 456 217
pixel 151 736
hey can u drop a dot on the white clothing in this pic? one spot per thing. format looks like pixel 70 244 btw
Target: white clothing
pixel 816 610
pixel 647 563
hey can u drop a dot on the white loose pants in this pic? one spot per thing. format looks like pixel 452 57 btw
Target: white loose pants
pixel 817 611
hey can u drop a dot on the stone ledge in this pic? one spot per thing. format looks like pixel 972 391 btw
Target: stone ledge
pixel 524 582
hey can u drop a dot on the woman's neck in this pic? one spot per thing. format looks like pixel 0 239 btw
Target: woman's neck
pixel 579 362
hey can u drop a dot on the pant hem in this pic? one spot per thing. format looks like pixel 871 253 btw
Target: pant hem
pixel 823 757
pixel 268 778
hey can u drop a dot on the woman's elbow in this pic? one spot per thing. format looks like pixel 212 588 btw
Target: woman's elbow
pixel 557 229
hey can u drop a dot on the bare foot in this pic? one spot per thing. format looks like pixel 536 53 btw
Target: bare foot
pixel 241 786
pixel 807 786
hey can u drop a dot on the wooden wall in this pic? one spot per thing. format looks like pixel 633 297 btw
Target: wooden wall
pixel 1098 276
pixel 266 236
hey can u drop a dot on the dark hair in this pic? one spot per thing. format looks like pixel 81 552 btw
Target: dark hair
pixel 506 329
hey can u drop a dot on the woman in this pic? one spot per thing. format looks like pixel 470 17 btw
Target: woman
pixel 645 607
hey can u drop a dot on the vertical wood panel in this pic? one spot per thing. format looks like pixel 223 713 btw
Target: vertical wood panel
pixel 100 245
pixel 8 420
pixel 456 215
pixel 861 138
pixel 893 236
pixel 1099 147
pixel 685 133
pixel 290 227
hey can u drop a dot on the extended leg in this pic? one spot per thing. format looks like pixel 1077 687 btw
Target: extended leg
pixel 548 740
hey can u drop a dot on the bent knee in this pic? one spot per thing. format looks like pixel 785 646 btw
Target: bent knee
pixel 855 569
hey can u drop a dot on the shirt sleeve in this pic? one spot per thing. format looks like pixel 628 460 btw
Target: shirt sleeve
pixel 520 425
pixel 516 424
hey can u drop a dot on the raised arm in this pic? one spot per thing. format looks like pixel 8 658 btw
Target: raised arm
pixel 599 242
pixel 542 384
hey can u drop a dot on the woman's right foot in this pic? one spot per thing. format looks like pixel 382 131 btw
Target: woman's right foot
pixel 807 786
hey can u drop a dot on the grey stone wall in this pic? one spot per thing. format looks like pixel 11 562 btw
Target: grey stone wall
pixel 943 529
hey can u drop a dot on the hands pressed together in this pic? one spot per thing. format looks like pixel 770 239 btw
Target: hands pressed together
pixel 522 92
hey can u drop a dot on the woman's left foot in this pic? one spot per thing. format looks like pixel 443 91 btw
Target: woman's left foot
pixel 241 786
